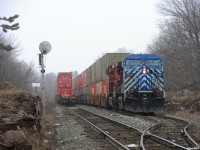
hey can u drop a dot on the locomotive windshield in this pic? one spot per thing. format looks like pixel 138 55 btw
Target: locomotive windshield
pixel 135 62
pixel 152 62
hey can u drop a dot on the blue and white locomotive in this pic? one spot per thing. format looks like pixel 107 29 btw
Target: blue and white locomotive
pixel 138 86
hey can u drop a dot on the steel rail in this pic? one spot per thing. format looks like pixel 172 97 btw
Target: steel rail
pixel 113 141
pixel 167 142
pixel 146 134
pixel 184 131
pixel 157 138
pixel 189 138
pixel 116 122
pixel 142 147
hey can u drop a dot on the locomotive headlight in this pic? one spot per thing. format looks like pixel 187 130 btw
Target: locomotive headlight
pixel 144 70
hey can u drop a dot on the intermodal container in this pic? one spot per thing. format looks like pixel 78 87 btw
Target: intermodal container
pixel 98 70
pixel 79 81
pixel 103 89
pixel 85 78
pixel 93 90
pixel 108 59
pixel 64 79
pixel 75 83
pixel 93 73
pixel 64 83
pixel 89 76
pixel 98 88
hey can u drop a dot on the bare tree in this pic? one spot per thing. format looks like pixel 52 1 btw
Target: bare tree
pixel 50 86
pixel 11 19
pixel 123 50
pixel 13 70
pixel 28 73
pixel 179 42
pixel 5 27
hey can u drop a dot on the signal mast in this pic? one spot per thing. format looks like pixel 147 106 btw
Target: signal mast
pixel 44 47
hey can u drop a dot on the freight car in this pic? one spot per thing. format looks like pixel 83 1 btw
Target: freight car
pixel 131 82
pixel 64 88
pixel 89 87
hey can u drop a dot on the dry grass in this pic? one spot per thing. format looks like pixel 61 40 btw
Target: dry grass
pixel 188 116
pixel 183 95
pixel 12 91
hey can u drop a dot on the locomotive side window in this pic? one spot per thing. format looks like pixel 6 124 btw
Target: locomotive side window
pixel 135 62
pixel 152 62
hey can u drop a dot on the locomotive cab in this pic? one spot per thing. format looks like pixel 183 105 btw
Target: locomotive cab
pixel 143 83
pixel 114 83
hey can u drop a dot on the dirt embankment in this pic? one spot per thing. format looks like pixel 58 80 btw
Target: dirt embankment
pixel 183 100
pixel 20 113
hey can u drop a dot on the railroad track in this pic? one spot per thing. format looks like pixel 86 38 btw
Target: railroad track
pixel 171 131
pixel 156 137
pixel 194 133
pixel 119 135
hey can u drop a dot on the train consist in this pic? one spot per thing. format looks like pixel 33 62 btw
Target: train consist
pixel 131 82
pixel 64 88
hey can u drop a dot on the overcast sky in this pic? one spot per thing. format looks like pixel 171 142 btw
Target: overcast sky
pixel 80 30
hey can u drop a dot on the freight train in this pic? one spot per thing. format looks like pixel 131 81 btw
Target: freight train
pixel 130 82
pixel 64 88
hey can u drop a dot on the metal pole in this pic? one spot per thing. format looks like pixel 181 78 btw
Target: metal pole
pixel 44 47
pixel 43 87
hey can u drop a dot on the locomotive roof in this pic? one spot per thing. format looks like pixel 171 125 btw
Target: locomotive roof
pixel 142 56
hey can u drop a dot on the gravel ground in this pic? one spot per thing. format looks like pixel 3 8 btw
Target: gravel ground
pixel 64 130
pixel 185 115
pixel 72 133
pixel 135 121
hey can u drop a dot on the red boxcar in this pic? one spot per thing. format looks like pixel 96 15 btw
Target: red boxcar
pixel 64 88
